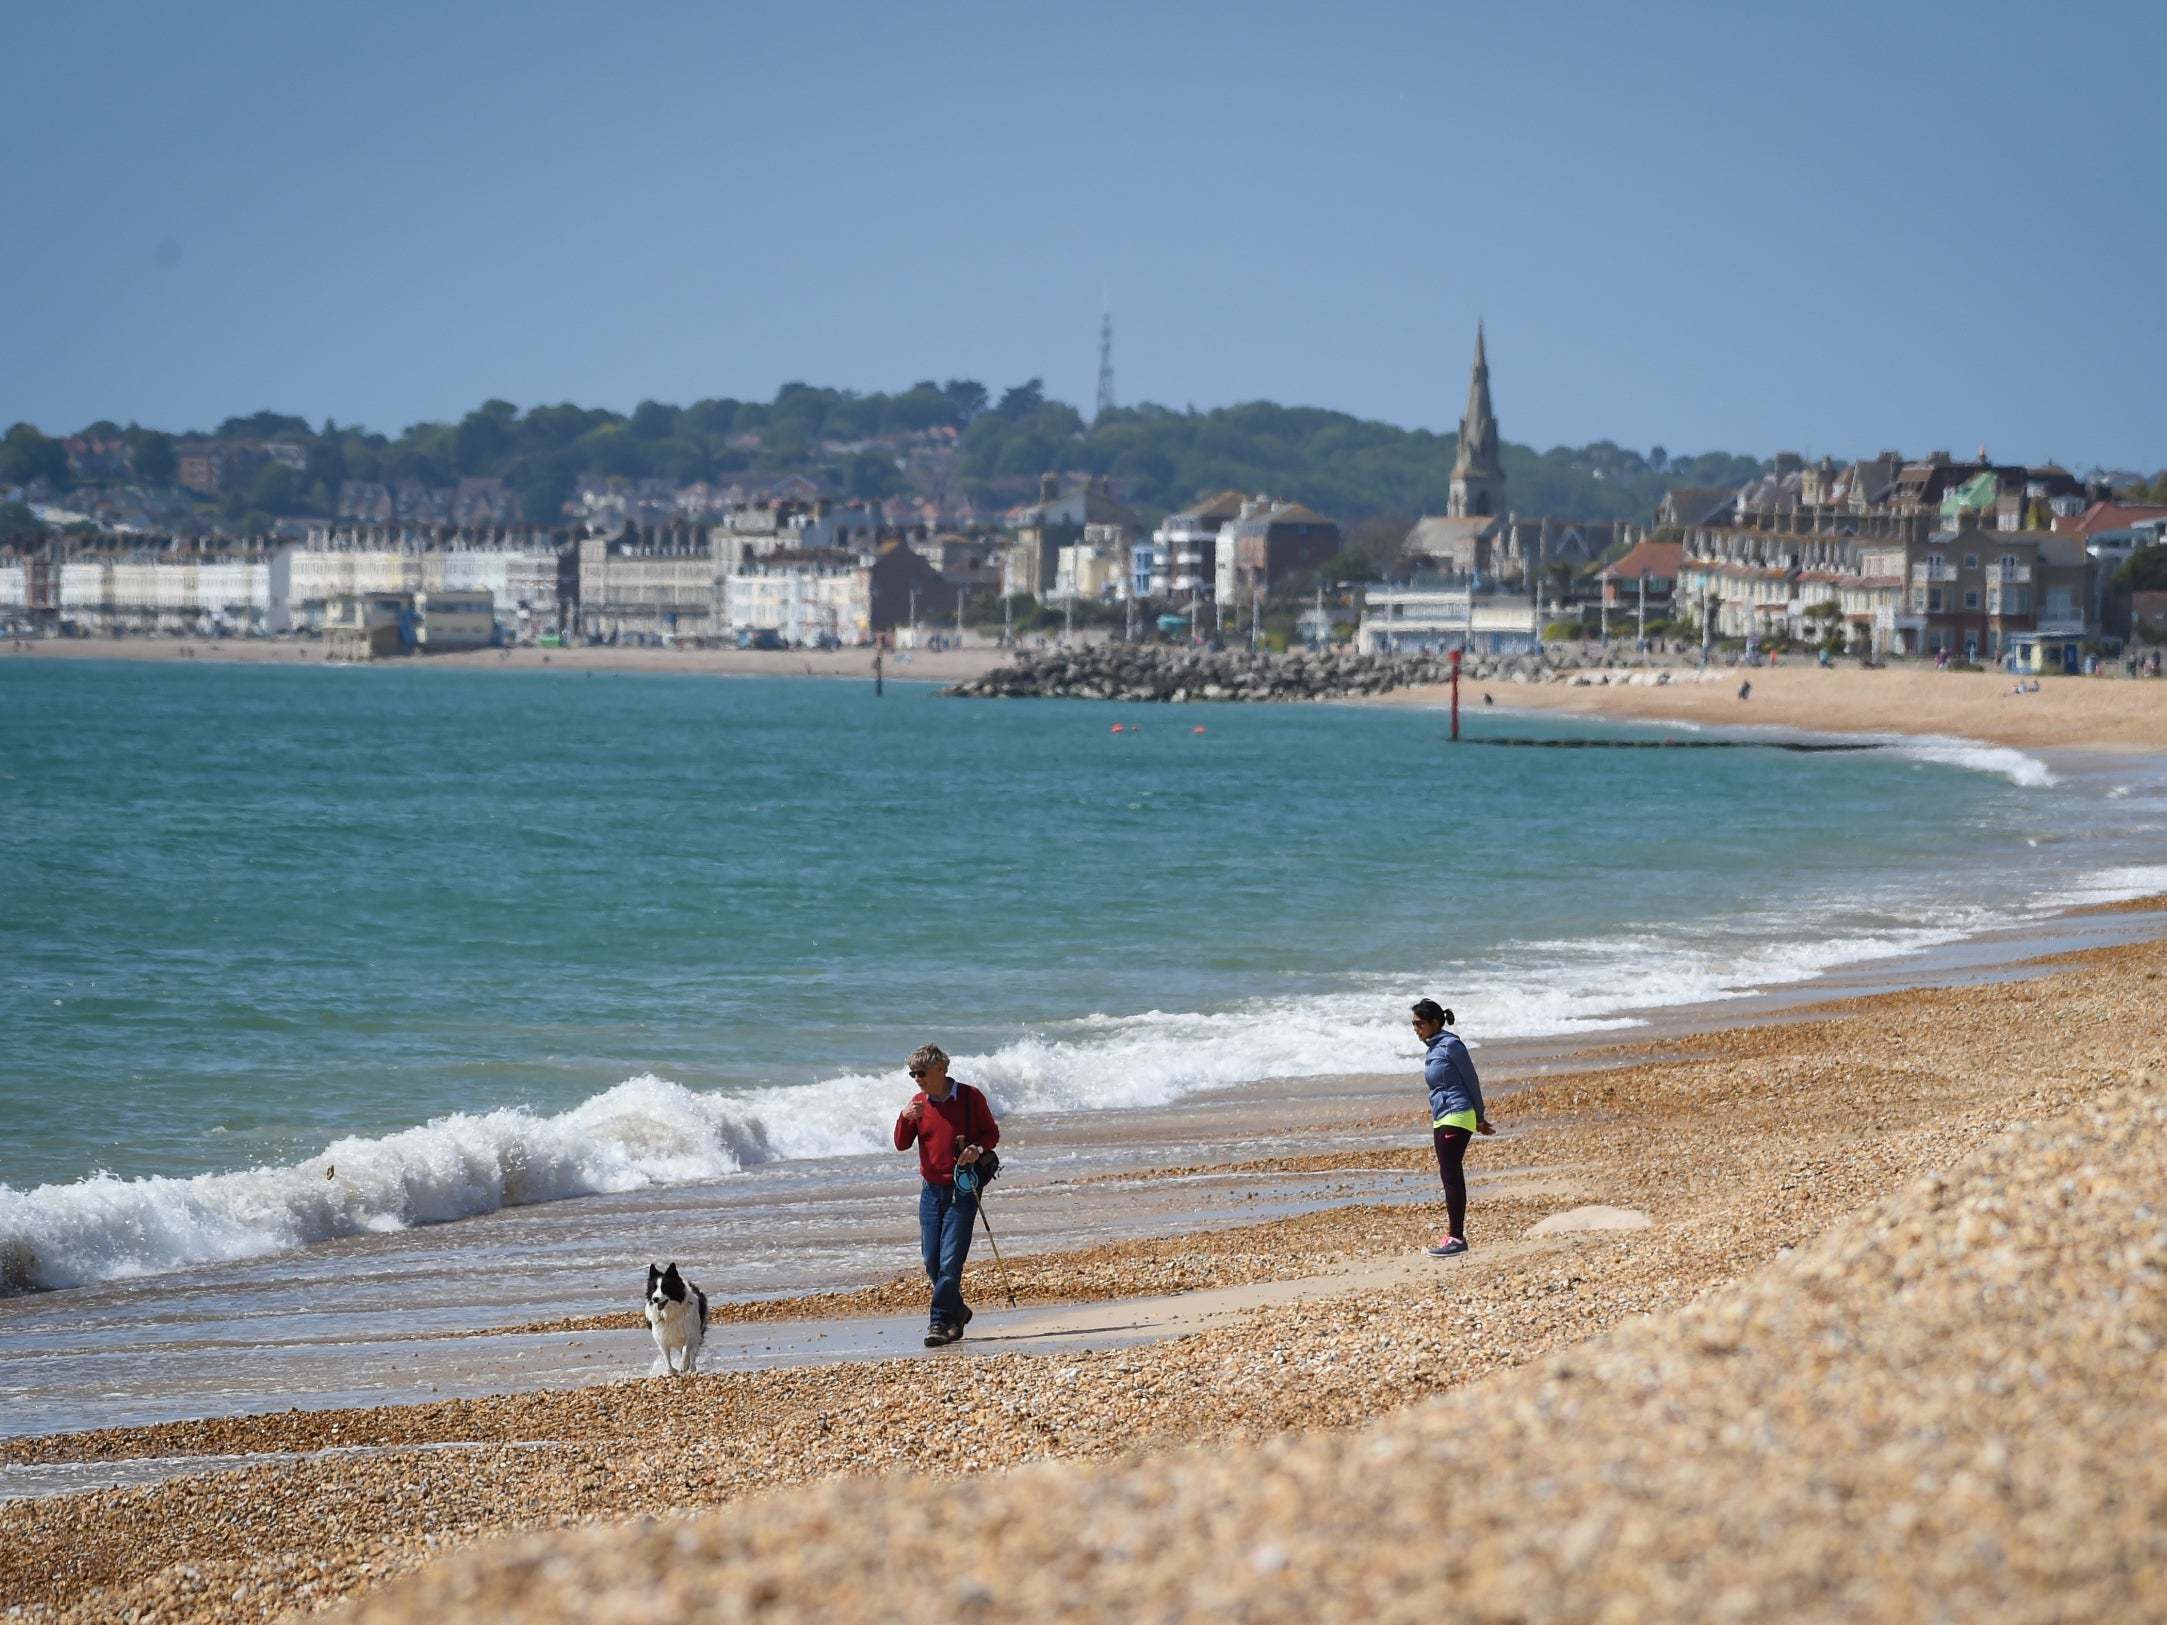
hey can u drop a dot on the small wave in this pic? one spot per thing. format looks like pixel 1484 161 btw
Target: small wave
pixel 2118 885
pixel 2019 769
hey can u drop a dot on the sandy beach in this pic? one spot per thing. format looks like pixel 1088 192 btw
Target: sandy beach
pixel 2106 714
pixel 921 665
pixel 1857 1223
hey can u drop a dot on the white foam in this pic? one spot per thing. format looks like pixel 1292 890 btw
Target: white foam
pixel 649 1131
pixel 2118 884
pixel 2019 769
pixel 645 1131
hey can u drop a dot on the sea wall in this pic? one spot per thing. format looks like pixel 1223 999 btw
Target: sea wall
pixel 1115 671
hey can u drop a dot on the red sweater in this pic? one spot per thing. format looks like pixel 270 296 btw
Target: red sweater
pixel 943 1128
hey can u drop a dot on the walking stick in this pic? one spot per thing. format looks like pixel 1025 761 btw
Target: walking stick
pixel 990 1242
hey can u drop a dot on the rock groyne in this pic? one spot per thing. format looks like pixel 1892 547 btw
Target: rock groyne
pixel 1114 671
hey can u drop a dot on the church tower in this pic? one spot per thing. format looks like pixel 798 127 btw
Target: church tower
pixel 1478 477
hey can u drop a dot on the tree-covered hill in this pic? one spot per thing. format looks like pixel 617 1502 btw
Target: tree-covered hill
pixel 929 439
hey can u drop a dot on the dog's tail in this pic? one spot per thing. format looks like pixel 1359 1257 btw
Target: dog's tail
pixel 697 1293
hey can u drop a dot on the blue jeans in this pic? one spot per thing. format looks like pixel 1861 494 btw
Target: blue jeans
pixel 945 1217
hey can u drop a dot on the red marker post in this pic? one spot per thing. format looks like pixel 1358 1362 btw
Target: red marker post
pixel 1455 696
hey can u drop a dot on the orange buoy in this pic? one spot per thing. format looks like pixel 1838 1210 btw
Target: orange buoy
pixel 1199 728
pixel 1117 727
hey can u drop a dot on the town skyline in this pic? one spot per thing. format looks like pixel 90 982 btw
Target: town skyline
pixel 1679 231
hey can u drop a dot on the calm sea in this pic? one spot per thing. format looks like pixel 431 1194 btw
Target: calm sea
pixel 289 955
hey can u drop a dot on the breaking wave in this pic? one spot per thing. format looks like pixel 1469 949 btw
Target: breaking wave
pixel 649 1132
pixel 2026 772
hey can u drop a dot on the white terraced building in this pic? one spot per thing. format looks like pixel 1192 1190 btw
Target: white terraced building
pixel 1420 619
pixel 112 591
pixel 801 600
pixel 518 568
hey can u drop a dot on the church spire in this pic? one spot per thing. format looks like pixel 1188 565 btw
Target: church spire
pixel 1478 477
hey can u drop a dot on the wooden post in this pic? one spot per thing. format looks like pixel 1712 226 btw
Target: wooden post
pixel 1455 696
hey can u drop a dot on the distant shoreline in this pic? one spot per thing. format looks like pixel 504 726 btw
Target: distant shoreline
pixel 2104 714
pixel 2081 713
pixel 920 665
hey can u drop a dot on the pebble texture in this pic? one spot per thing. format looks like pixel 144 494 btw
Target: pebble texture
pixel 1113 671
pixel 1890 1349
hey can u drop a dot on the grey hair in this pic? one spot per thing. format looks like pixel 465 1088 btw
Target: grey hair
pixel 926 1055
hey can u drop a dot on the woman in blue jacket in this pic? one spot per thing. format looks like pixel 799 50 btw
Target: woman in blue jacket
pixel 1456 1115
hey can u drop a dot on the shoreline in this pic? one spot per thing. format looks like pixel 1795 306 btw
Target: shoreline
pixel 2091 714
pixel 2103 715
pixel 1759 1136
pixel 898 666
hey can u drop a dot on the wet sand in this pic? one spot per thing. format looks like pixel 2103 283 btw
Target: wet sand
pixel 1772 1161
pixel 2085 713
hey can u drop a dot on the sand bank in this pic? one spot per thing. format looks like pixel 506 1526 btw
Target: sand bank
pixel 1831 1374
pixel 2086 713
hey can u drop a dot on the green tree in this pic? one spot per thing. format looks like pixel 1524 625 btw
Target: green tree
pixel 545 484
pixel 484 438
pixel 275 489
pixel 326 464
pixel 966 398
pixel 264 426
pixel 651 420
pixel 18 523
pixel 1023 399
pixel 2144 571
pixel 155 460
pixel 27 455
pixel 869 477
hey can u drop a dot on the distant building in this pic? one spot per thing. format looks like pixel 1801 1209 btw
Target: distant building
pixel 1645 576
pixel 1031 565
pixel 1890 583
pixel 656 583
pixel 205 466
pixel 1479 539
pixel 971 562
pixel 1431 616
pixel 1684 505
pixel 1478 471
pixel 1183 558
pixel 448 620
pixel 1267 542
pixel 367 625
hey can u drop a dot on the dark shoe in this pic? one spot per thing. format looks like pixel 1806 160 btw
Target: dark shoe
pixel 951 1334
pixel 966 1316
pixel 1450 1247
pixel 936 1335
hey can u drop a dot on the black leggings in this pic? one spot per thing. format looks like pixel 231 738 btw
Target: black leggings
pixel 1451 1147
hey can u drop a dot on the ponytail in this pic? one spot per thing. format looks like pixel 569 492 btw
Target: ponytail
pixel 1431 1010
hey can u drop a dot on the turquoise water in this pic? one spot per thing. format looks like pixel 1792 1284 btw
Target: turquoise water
pixel 470 939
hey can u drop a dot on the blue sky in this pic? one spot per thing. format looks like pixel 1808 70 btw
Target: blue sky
pixel 1825 228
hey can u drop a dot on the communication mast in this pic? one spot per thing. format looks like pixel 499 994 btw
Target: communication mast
pixel 1106 363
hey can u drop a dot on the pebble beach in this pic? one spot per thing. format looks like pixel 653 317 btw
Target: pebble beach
pixel 1881 1349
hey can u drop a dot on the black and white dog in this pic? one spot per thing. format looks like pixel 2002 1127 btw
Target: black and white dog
pixel 677 1315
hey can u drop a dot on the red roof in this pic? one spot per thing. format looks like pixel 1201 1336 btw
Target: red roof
pixel 1659 560
pixel 2102 516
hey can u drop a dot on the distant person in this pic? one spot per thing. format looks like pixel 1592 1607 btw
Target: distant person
pixel 1456 1115
pixel 1486 700
pixel 951 1124
pixel 1745 689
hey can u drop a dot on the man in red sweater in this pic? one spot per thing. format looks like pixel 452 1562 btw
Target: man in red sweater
pixel 951 1124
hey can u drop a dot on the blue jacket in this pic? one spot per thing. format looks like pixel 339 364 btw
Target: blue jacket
pixel 1450 1073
